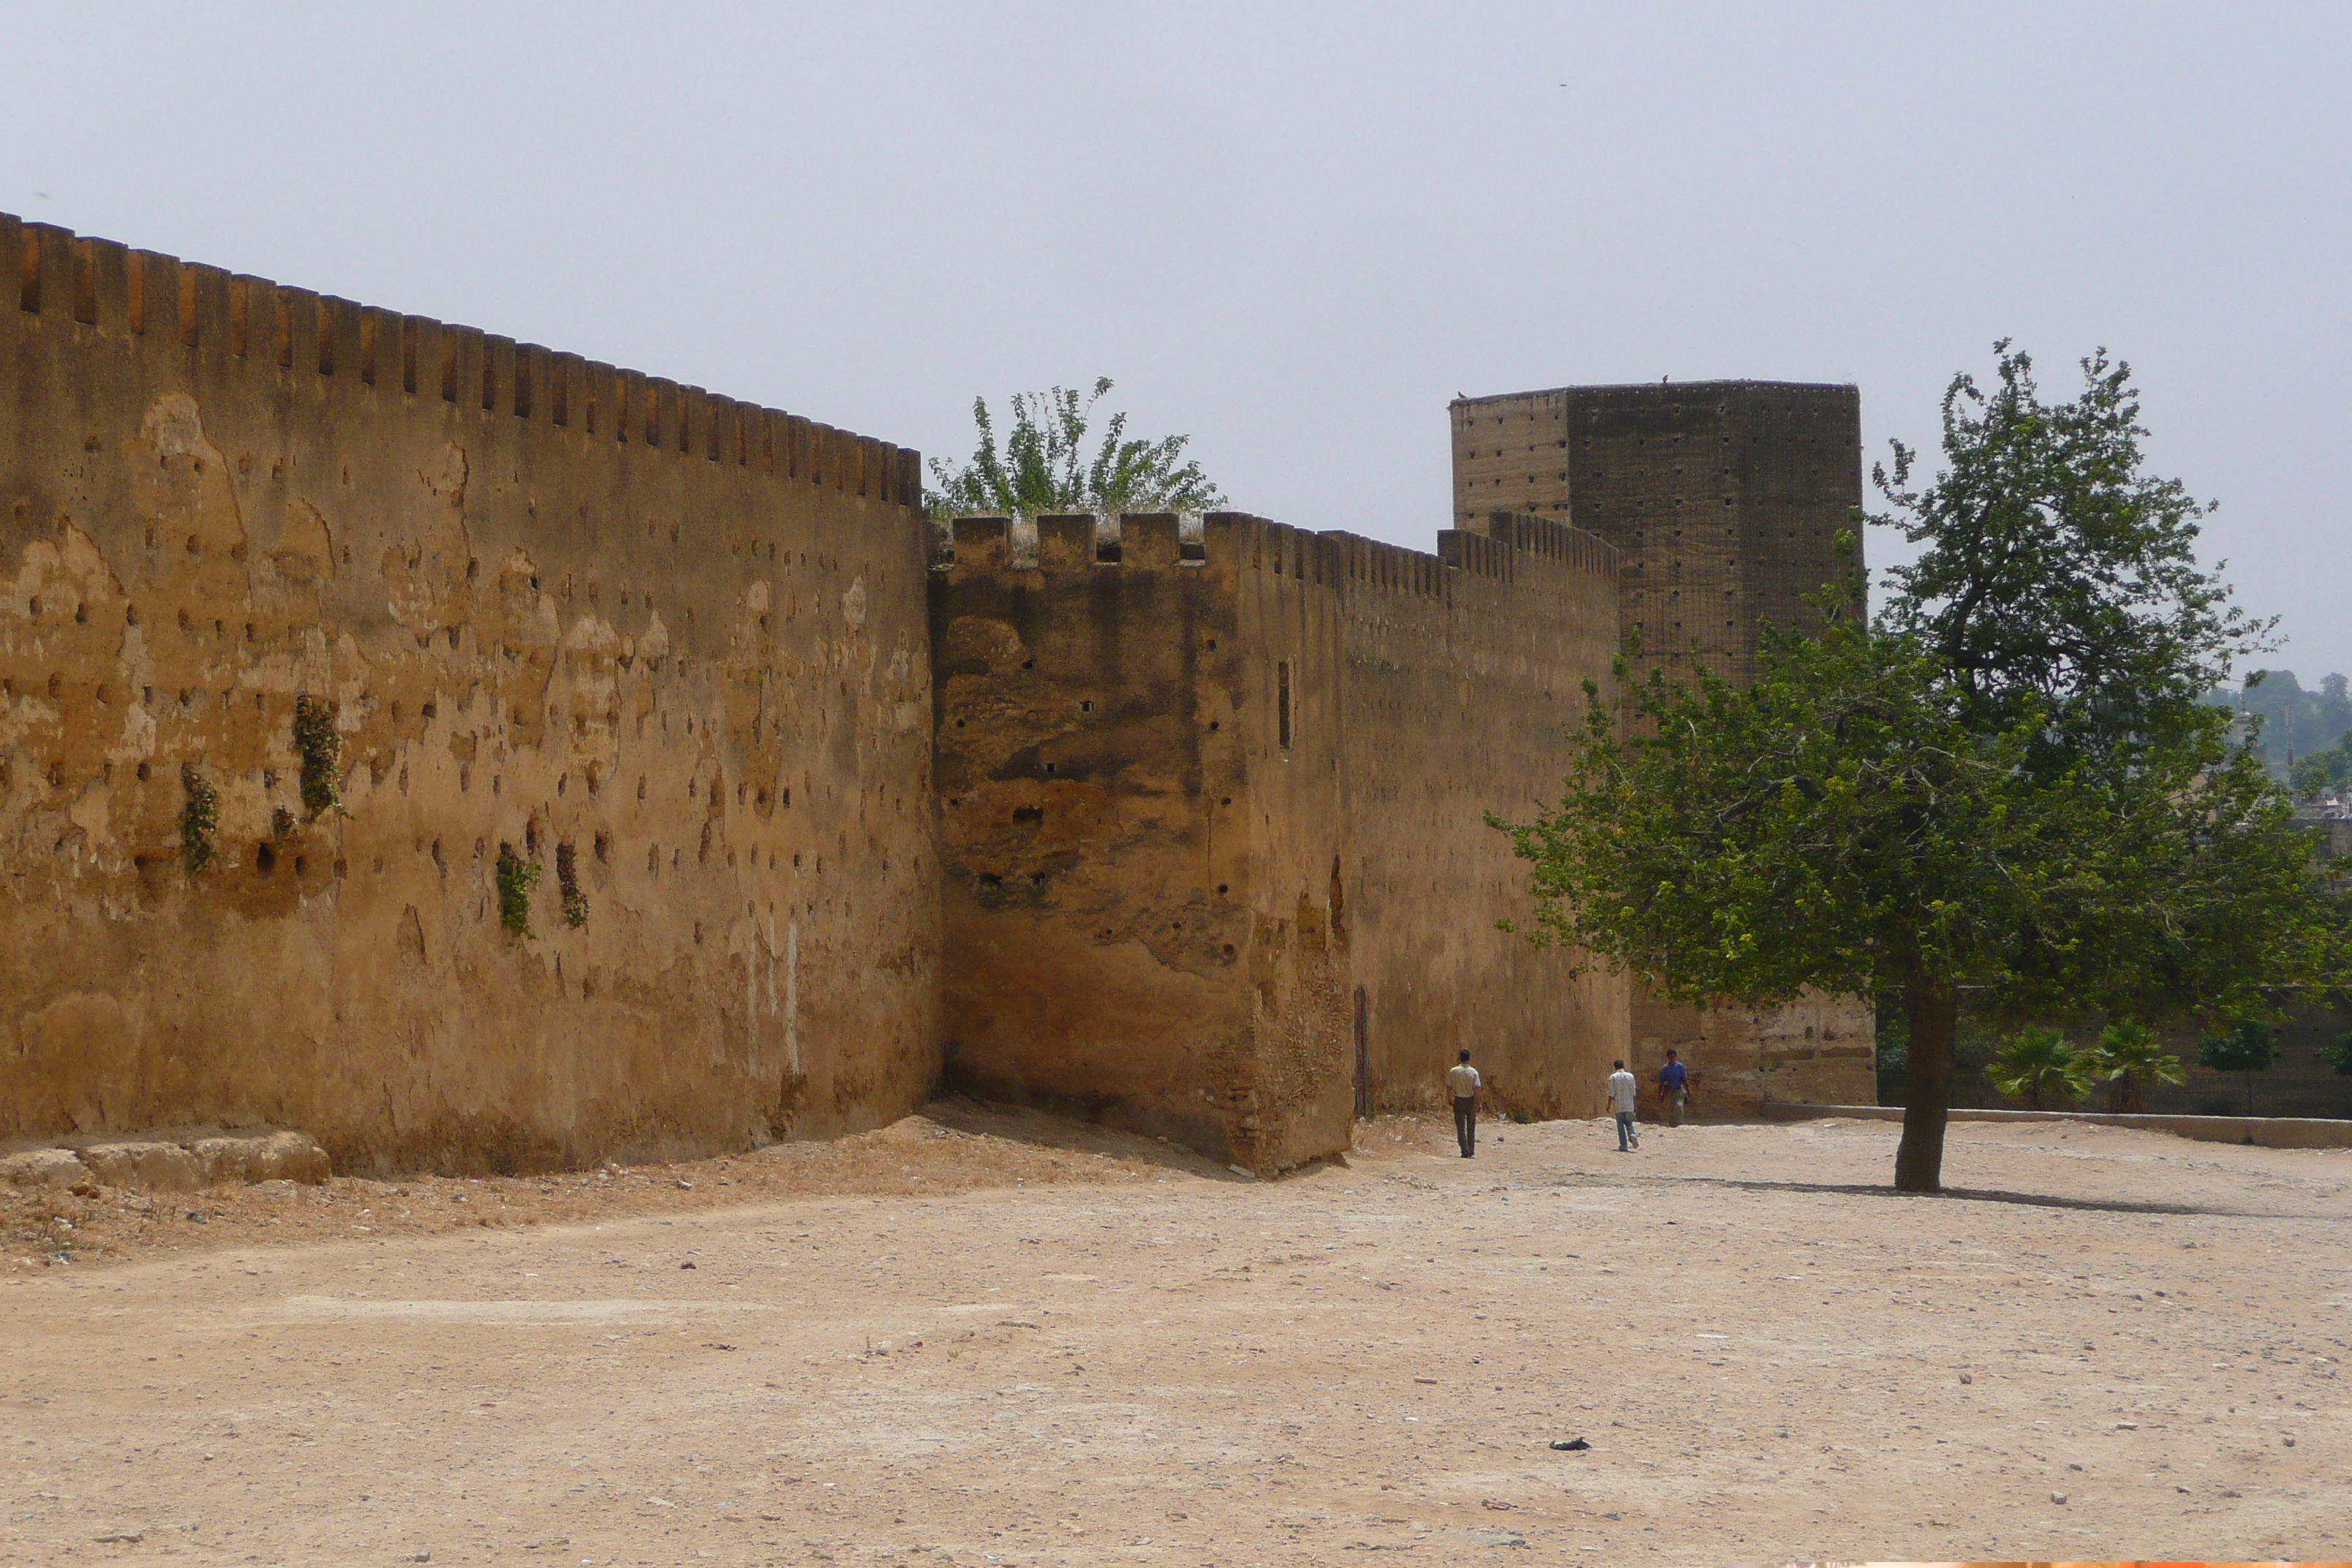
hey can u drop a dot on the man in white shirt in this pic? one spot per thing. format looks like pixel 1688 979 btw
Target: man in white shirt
pixel 1463 1080
pixel 1621 1100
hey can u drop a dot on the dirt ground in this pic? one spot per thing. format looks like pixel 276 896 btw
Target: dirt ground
pixel 980 1337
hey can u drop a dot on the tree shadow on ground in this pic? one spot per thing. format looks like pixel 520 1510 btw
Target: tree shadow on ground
pixel 1969 1194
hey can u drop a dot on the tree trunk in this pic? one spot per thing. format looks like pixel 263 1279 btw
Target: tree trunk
pixel 1935 1010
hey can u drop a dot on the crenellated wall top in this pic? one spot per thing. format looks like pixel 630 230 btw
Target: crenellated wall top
pixel 1508 547
pixel 101 287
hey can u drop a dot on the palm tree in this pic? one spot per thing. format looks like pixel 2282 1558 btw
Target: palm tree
pixel 2037 1060
pixel 2126 1056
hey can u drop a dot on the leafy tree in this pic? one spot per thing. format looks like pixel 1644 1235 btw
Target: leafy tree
pixel 1049 463
pixel 2056 575
pixel 2006 784
pixel 2242 1045
pixel 2338 1054
pixel 1844 823
pixel 2036 1061
pixel 2323 773
pixel 2126 1056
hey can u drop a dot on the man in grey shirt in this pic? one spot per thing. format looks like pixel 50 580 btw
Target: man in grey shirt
pixel 1461 1079
pixel 1621 1100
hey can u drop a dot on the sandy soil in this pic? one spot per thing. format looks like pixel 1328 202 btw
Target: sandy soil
pixel 979 1337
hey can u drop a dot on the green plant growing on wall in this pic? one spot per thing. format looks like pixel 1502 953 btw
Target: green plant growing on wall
pixel 567 879
pixel 2126 1056
pixel 517 876
pixel 2036 1061
pixel 199 819
pixel 320 746
pixel 2246 1046
pixel 1044 466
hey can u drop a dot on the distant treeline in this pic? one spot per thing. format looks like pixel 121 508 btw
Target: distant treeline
pixel 2312 727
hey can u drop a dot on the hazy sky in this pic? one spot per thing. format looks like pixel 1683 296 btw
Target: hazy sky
pixel 1295 232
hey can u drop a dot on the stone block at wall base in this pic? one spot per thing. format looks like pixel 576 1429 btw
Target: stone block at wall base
pixel 147 1166
pixel 168 1165
pixel 54 1168
pixel 272 1157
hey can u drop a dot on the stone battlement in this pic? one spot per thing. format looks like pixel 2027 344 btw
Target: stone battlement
pixel 252 321
pixel 1505 546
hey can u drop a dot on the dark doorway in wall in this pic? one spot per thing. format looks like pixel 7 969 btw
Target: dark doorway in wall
pixel 1363 1056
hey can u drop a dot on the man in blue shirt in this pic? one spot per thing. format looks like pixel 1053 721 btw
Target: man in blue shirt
pixel 1674 1088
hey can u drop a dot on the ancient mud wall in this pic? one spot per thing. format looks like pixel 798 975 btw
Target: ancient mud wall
pixel 1292 703
pixel 324 629
pixel 1464 677
pixel 1817 1051
pixel 1121 935
pixel 1215 858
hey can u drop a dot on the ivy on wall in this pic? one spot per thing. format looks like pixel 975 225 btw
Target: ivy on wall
pixel 517 876
pixel 320 746
pixel 567 879
pixel 199 819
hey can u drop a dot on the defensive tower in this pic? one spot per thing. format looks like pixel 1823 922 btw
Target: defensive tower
pixel 1724 498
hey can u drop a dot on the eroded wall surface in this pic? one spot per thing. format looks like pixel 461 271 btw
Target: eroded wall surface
pixel 667 649
pixel 1094 911
pixel 1213 833
pixel 1462 680
pixel 1139 920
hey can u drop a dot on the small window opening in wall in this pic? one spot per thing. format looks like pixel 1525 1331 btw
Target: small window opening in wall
pixel 1085 707
pixel 1028 815
pixel 1282 703
pixel 265 858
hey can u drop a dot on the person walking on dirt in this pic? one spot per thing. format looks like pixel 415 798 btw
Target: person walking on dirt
pixel 1621 1099
pixel 1674 1088
pixel 1463 1080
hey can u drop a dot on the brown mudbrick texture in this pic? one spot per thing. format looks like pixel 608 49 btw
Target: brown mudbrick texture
pixel 557 615
pixel 483 759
